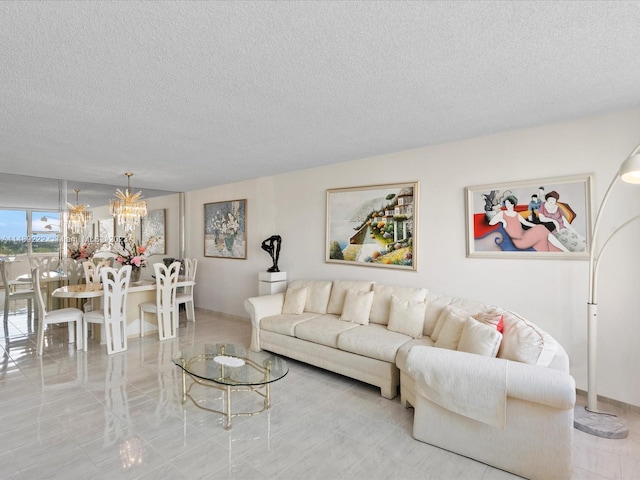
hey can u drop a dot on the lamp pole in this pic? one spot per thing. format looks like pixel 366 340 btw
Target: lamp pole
pixel 591 420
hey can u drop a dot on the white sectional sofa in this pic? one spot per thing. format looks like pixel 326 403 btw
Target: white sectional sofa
pixel 503 398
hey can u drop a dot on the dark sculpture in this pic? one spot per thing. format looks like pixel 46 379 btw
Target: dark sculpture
pixel 271 245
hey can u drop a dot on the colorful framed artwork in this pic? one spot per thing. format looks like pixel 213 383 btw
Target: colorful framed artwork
pixel 225 233
pixel 152 231
pixel 373 226
pixel 543 218
pixel 106 229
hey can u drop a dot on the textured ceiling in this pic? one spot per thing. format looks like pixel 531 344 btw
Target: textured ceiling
pixel 192 94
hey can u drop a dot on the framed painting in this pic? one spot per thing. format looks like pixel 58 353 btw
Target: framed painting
pixel 152 231
pixel 543 218
pixel 225 233
pixel 373 226
pixel 106 229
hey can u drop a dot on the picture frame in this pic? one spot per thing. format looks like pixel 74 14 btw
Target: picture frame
pixel 491 233
pixel 106 229
pixel 225 233
pixel 373 226
pixel 153 232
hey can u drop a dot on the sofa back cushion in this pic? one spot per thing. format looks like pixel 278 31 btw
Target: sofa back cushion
pixel 435 306
pixel 339 291
pixel 318 292
pixel 382 300
pixel 522 341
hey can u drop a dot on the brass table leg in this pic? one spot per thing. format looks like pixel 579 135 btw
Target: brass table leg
pixel 228 425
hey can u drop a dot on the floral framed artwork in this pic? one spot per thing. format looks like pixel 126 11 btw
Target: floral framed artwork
pixel 373 226
pixel 543 218
pixel 152 232
pixel 225 234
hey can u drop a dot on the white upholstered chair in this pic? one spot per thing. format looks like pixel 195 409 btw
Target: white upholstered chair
pixel 113 315
pixel 165 306
pixel 14 290
pixel 71 316
pixel 186 297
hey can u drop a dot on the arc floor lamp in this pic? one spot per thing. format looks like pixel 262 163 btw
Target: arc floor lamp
pixel 590 419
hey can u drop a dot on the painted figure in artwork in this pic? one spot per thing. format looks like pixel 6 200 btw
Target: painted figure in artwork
pixel 271 245
pixel 536 236
pixel 551 211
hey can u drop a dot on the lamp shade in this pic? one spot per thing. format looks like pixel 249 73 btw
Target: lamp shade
pixel 630 169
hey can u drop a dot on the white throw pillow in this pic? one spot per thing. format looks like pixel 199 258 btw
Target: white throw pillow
pixel 357 306
pixel 339 291
pixel 479 338
pixel 294 301
pixel 449 335
pixel 382 300
pixel 406 316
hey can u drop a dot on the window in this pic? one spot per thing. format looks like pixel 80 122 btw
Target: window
pixel 26 232
pixel 45 227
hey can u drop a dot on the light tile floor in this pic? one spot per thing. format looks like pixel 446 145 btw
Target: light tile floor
pixel 72 414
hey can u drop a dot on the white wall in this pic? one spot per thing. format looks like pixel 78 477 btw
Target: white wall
pixel 551 293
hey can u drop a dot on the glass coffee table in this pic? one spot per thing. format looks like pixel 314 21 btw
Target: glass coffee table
pixel 230 368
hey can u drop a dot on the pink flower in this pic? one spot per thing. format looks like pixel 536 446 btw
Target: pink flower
pixel 136 260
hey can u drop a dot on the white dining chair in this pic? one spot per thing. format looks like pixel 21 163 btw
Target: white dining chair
pixel 74 271
pixel 71 316
pixel 13 291
pixel 165 306
pixel 92 270
pixel 186 296
pixel 113 315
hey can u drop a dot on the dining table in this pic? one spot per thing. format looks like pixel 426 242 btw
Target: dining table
pixel 139 292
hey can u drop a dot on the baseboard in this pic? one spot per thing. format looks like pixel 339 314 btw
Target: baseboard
pixel 612 402
pixel 225 315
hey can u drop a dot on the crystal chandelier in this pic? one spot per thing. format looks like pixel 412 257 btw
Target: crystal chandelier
pixel 79 216
pixel 128 208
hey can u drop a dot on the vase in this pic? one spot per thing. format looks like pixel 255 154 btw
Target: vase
pixel 135 274
pixel 228 242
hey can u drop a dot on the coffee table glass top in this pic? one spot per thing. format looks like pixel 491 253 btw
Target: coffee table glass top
pixel 229 364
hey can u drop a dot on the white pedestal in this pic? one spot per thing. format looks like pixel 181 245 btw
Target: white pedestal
pixel 272 282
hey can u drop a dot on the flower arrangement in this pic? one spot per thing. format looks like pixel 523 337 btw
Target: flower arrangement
pixel 225 225
pixel 128 252
pixel 83 251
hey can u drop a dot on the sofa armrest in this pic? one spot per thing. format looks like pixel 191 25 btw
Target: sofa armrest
pixel 259 308
pixel 531 383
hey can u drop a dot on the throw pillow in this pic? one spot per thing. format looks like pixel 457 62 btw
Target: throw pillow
pixel 479 338
pixel 442 319
pixel 382 300
pixel 449 335
pixel 357 306
pixel 406 316
pixel 294 301
pixel 492 317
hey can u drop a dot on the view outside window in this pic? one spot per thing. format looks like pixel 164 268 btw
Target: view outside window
pixel 13 232
pixel 45 227
pixel 18 236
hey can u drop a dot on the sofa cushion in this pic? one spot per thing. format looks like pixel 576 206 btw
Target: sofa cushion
pixel 406 316
pixel 284 324
pixel 447 311
pixel 323 329
pixel 294 300
pixel 451 331
pixel 493 317
pixel 435 305
pixel 403 351
pixel 374 341
pixel 339 290
pixel 318 292
pixel 525 342
pixel 382 300
pixel 357 306
pixel 479 338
